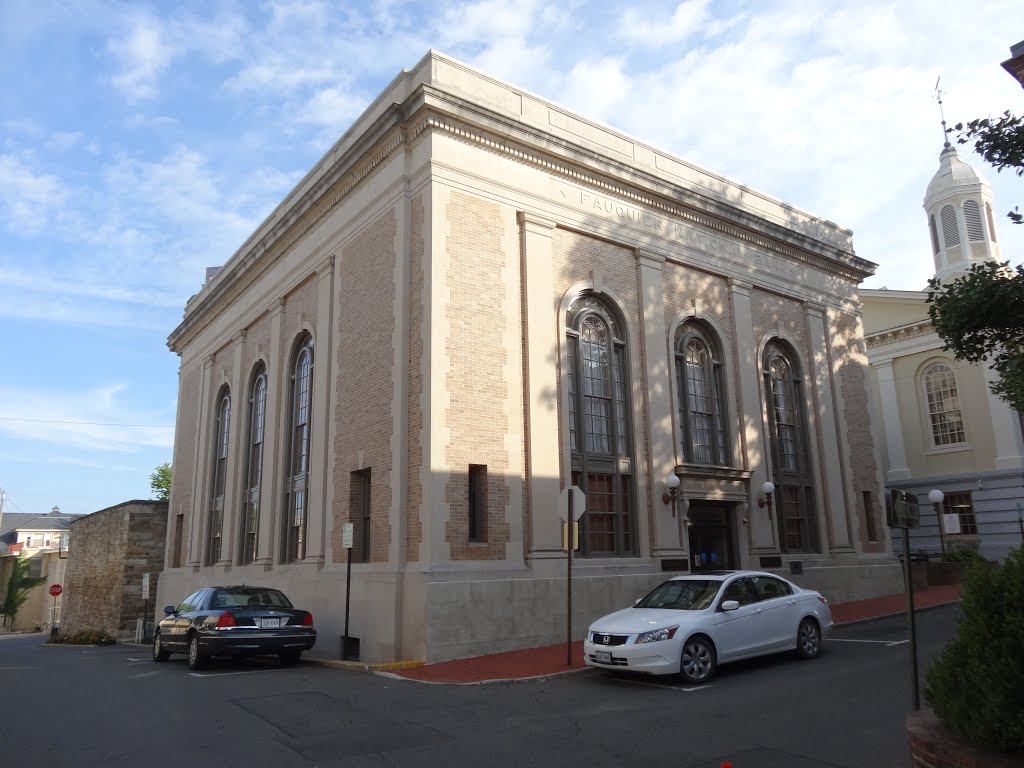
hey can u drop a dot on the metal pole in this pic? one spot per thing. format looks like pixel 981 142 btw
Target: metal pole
pixel 570 519
pixel 348 593
pixel 910 619
pixel 942 530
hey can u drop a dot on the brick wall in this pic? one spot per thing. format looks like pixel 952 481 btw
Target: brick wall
pixel 850 361
pixel 417 251
pixel 365 378
pixel 109 552
pixel 476 416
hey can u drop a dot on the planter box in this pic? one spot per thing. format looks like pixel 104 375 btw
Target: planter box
pixel 940 573
pixel 932 745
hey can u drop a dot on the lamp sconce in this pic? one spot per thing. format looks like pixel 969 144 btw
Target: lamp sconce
pixel 765 499
pixel 671 491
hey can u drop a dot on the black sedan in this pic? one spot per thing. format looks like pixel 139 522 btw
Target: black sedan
pixel 233 621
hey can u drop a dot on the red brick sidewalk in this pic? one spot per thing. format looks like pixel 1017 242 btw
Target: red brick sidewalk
pixel 553 659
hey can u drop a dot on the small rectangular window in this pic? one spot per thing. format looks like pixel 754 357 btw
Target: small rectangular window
pixel 478 502
pixel 960 504
pixel 359 514
pixel 35 567
pixel 869 516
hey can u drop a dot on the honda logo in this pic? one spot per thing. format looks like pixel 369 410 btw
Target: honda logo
pixel 605 639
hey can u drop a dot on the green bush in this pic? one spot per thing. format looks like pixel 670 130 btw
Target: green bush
pixel 976 686
pixel 86 637
pixel 963 555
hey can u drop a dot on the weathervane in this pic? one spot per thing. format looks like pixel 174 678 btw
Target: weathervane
pixel 938 97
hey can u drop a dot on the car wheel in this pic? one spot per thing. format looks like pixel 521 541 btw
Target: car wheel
pixel 808 639
pixel 196 658
pixel 698 662
pixel 159 654
pixel 288 658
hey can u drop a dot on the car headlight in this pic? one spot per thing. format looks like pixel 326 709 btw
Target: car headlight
pixel 656 634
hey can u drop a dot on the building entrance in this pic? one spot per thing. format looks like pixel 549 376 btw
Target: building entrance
pixel 710 537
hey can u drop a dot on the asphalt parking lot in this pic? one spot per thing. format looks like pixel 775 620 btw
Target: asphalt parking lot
pixel 114 707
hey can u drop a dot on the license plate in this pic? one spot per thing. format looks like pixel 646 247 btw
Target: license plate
pixel 270 623
pixel 605 657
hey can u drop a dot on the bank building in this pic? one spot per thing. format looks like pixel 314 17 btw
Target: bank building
pixel 478 299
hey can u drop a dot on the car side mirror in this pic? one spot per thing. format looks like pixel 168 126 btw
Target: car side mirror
pixel 730 605
pixel 169 609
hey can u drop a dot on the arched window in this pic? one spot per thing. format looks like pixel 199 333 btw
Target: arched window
pixel 253 465
pixel 943 405
pixel 699 396
pixel 298 435
pixel 972 217
pixel 791 470
pixel 935 234
pixel 215 529
pixel 950 231
pixel 600 442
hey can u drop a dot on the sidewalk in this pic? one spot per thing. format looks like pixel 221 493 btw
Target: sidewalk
pixel 552 659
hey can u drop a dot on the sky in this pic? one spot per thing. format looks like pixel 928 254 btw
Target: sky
pixel 142 142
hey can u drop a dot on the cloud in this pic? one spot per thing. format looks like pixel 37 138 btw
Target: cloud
pixel 641 26
pixel 27 199
pixel 143 54
pixel 83 419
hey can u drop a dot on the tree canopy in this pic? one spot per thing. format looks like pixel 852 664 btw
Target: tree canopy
pixel 18 587
pixel 160 482
pixel 980 317
pixel 1001 142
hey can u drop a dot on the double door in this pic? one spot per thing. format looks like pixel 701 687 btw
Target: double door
pixel 710 538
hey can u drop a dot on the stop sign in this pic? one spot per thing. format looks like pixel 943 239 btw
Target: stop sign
pixel 56 589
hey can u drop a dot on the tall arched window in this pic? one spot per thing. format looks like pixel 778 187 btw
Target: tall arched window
pixel 935 234
pixel 943 405
pixel 600 442
pixel 253 465
pixel 950 230
pixel 972 217
pixel 791 470
pixel 297 481
pixel 699 397
pixel 215 529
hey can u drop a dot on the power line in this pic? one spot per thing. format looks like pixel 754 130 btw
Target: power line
pixel 89 423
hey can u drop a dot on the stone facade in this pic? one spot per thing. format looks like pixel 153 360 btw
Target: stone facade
pixel 496 291
pixel 111 550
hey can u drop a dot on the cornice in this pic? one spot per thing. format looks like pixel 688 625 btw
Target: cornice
pixel 902 333
pixel 404 125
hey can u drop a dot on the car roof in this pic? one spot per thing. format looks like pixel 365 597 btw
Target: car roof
pixel 719 575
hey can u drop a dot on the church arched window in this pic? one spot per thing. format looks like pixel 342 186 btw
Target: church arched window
pixel 699 395
pixel 950 232
pixel 972 217
pixel 944 414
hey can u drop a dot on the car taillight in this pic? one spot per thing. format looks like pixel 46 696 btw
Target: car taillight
pixel 822 599
pixel 227 619
pixel 307 620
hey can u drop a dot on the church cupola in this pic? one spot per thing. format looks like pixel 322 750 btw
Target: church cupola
pixel 959 206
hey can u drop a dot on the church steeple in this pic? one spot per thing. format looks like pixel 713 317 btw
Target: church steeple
pixel 959 206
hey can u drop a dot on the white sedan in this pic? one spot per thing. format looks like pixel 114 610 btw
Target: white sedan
pixel 689 625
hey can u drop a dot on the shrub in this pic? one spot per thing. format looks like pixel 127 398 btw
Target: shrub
pixel 87 637
pixel 976 686
pixel 963 555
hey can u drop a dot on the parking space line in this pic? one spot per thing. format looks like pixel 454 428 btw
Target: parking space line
pixel 896 642
pixel 877 642
pixel 243 672
pixel 129 658
pixel 143 674
pixel 13 669
pixel 663 687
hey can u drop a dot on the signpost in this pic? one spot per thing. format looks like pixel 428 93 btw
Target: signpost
pixel 572 503
pixel 349 646
pixel 55 590
pixel 904 513
pixel 145 606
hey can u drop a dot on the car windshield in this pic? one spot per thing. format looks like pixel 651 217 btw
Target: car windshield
pixel 244 597
pixel 682 595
